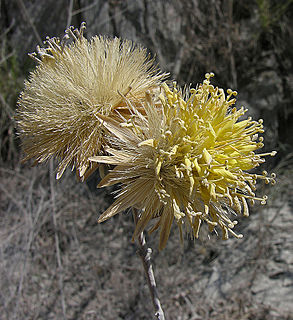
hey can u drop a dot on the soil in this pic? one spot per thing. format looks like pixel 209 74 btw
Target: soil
pixel 57 262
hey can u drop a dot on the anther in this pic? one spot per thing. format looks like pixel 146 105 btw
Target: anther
pixel 34 57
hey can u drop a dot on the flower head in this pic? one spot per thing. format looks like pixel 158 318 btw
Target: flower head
pixel 185 160
pixel 74 82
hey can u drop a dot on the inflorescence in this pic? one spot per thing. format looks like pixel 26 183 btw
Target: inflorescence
pixel 177 156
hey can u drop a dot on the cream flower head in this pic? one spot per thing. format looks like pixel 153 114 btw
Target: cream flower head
pixel 76 81
pixel 186 160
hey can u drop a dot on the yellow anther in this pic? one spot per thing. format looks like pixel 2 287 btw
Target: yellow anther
pixel 245 207
pixel 168 133
pixel 238 236
pixel 149 143
pixel 187 164
pixel 206 156
pixel 158 166
pixel 236 205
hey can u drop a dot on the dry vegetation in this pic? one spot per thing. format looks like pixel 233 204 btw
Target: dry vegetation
pixel 99 275
pixel 58 263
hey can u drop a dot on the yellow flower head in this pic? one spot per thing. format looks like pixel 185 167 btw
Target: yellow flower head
pixel 74 82
pixel 185 160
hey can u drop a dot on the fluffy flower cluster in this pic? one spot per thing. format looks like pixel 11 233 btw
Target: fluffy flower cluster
pixel 74 82
pixel 177 157
pixel 185 161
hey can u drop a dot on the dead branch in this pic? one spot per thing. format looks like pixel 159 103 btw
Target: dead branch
pixel 145 255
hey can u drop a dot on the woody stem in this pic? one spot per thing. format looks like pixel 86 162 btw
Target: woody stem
pixel 145 255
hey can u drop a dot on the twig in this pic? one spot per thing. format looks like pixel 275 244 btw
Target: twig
pixel 7 107
pixel 81 10
pixel 59 263
pixel 8 29
pixel 230 45
pixel 29 237
pixel 5 58
pixel 69 17
pixel 145 255
pixel 178 60
pixel 29 20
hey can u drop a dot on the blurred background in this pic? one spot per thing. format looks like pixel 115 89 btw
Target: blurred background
pixel 57 262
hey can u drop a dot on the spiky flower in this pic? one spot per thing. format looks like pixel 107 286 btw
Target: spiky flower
pixel 74 82
pixel 186 161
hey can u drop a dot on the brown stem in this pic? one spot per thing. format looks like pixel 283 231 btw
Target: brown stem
pixel 57 247
pixel 145 255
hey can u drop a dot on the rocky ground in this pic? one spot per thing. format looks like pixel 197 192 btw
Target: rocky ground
pixel 58 263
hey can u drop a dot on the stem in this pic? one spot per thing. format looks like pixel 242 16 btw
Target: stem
pixel 145 255
pixel 58 255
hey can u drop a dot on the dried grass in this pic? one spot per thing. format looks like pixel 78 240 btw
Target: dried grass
pixel 102 277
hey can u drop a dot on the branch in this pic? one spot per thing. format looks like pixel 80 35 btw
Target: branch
pixel 230 44
pixel 29 20
pixel 69 17
pixel 7 107
pixel 145 255
pixel 58 256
